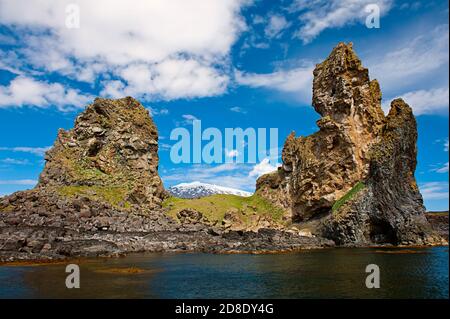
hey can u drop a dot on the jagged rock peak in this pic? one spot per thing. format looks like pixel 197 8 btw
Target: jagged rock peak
pixel 112 137
pixel 342 89
pixel 110 157
pixel 114 144
pixel 356 174
pixel 324 166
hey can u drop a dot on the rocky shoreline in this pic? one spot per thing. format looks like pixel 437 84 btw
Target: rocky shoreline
pixel 23 239
pixel 37 237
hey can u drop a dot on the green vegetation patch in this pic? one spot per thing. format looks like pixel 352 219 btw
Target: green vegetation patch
pixel 116 196
pixel 349 195
pixel 214 207
pixel 8 209
pixel 94 174
pixel 81 168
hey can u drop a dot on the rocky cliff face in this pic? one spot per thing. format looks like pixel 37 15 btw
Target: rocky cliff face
pixel 109 158
pixel 322 167
pixel 387 207
pixel 356 174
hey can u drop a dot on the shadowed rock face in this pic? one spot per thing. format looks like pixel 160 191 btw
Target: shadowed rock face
pixel 356 174
pixel 110 157
pixel 389 209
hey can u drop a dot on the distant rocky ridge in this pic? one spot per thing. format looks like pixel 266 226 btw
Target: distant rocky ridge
pixel 198 189
pixel 352 181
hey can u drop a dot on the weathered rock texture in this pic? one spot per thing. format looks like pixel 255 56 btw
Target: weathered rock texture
pixel 356 174
pixel 389 209
pixel 439 222
pixel 351 182
pixel 100 195
pixel 109 160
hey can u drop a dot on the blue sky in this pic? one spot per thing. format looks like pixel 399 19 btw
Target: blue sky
pixel 235 63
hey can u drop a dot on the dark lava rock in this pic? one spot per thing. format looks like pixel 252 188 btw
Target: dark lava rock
pixel 439 222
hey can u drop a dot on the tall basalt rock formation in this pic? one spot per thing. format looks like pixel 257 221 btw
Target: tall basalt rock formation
pixel 387 207
pixel 110 157
pixel 322 167
pixel 356 174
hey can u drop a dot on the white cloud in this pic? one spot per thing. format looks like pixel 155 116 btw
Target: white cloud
pixel 7 40
pixel 176 78
pixel 11 62
pixel 319 15
pixel 232 153
pixel 277 23
pixel 165 146
pixel 446 146
pixel 238 109
pixel 434 101
pixel 145 31
pixel 14 161
pixel 297 81
pixel 113 89
pixel 159 49
pixel 257 19
pixel 154 111
pixel 262 168
pixel 227 167
pixel 39 151
pixel 28 182
pixel 410 5
pixel 443 169
pixel 189 118
pixel 412 60
pixel 25 91
pixel 168 80
pixel 254 41
pixel 434 190
pixel 228 175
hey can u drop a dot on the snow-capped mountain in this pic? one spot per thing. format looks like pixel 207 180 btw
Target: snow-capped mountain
pixel 198 189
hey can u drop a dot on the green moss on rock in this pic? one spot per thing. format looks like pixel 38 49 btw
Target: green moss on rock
pixel 349 195
pixel 115 196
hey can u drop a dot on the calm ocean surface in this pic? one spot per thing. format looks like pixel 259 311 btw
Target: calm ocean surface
pixel 329 273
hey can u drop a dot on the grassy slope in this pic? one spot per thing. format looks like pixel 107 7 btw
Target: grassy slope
pixel 116 196
pixel 214 207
